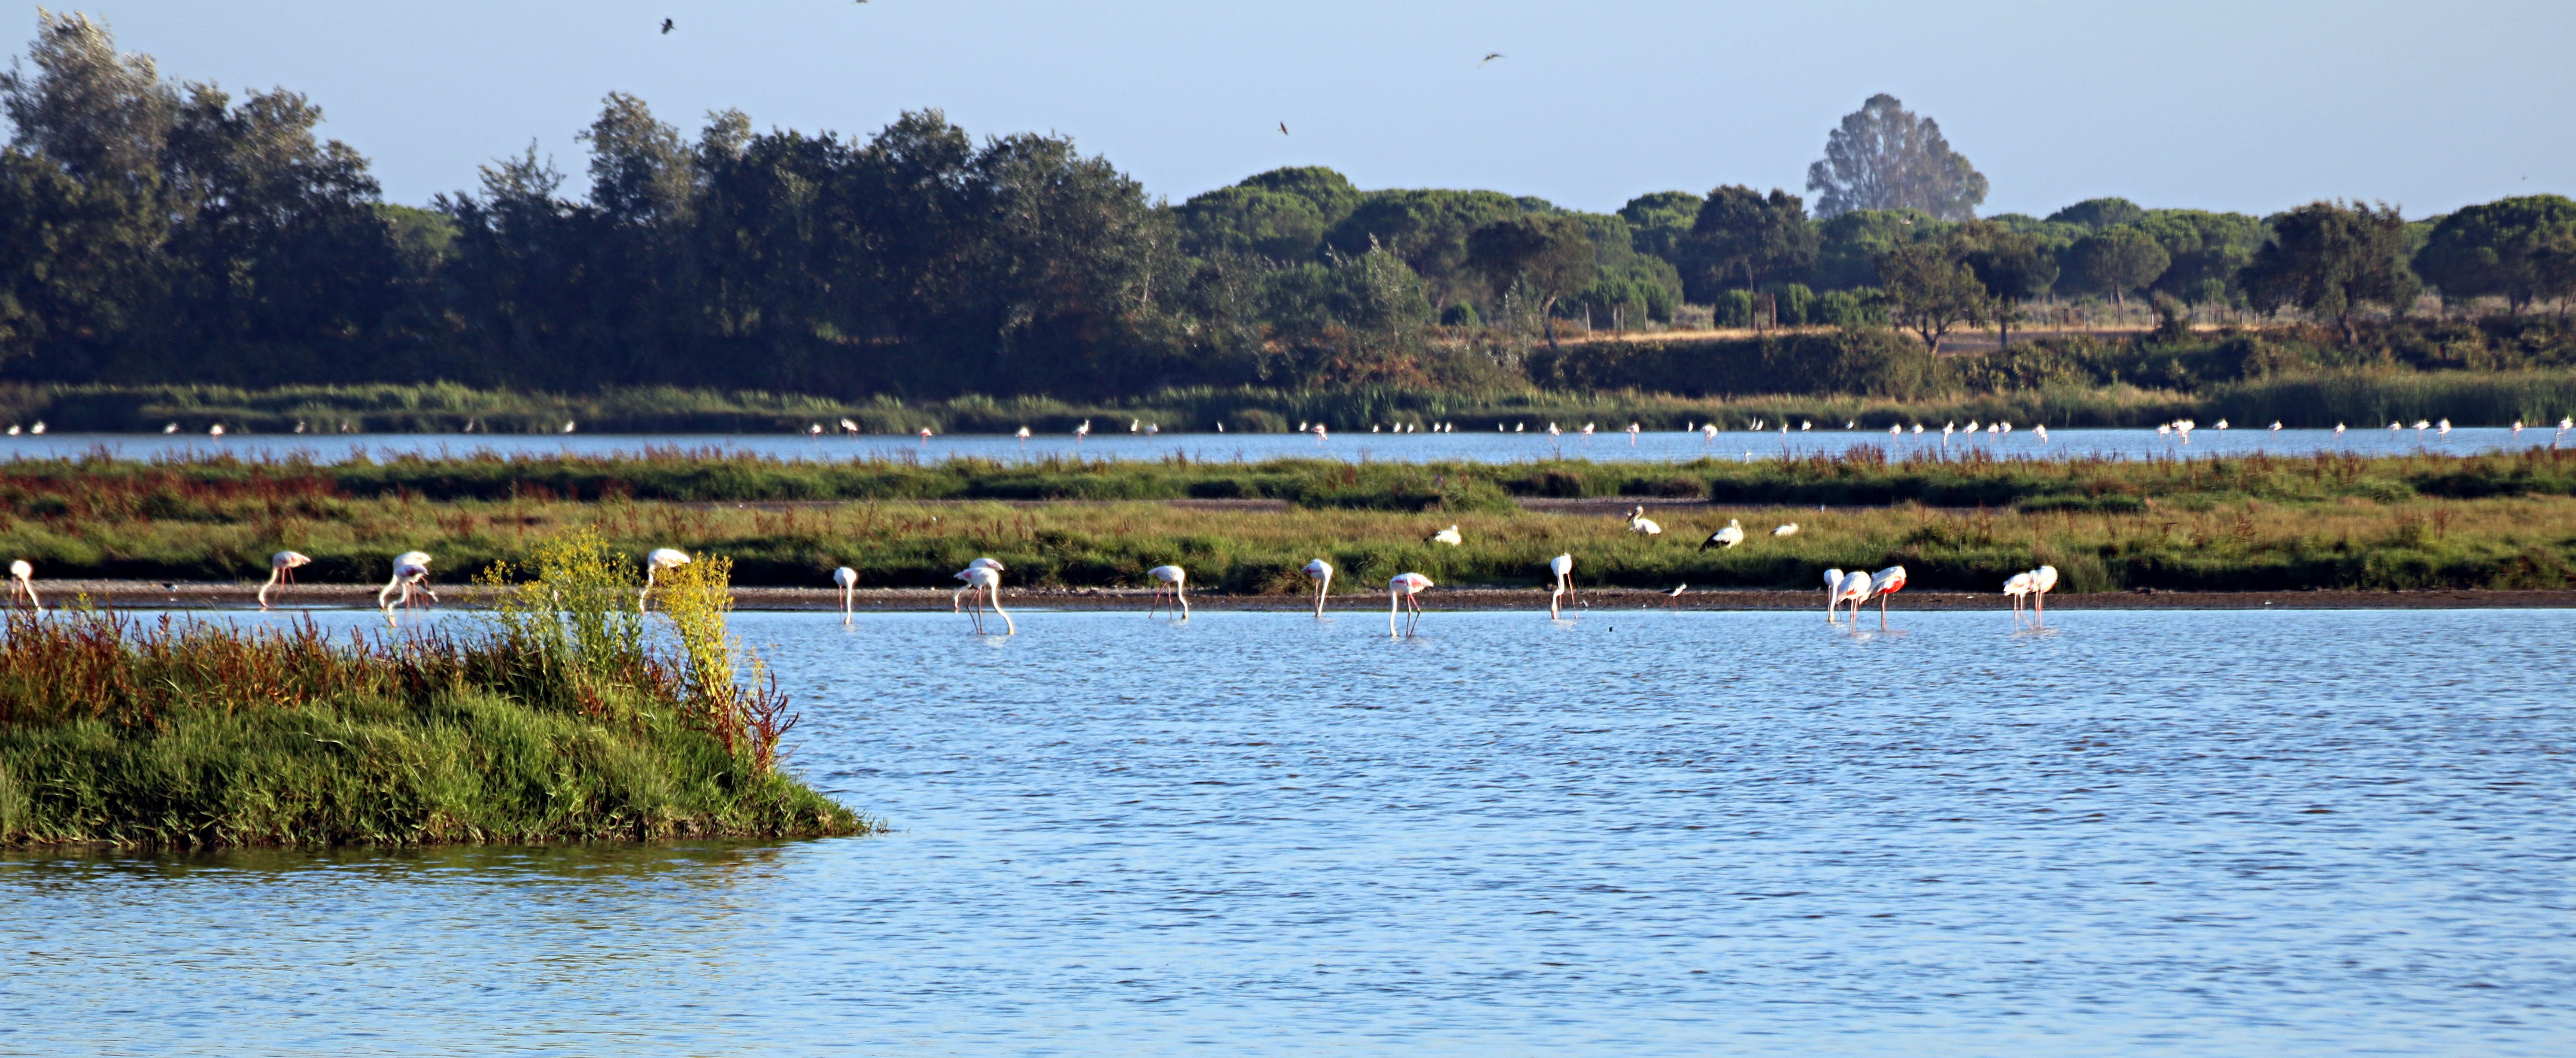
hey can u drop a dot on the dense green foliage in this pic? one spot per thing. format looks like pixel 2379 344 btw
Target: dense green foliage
pixel 156 233
pixel 561 723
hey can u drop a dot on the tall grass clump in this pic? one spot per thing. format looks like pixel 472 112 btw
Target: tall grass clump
pixel 562 720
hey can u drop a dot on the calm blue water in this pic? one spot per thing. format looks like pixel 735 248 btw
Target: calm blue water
pixel 1607 446
pixel 1640 833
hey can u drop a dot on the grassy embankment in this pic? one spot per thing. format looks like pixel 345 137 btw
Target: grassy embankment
pixel 2245 523
pixel 564 720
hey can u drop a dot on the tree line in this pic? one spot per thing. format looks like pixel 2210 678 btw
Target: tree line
pixel 154 231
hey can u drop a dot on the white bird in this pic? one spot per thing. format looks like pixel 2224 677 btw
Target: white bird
pixel 1082 431
pixel 1174 580
pixel 1806 424
pixel 1896 431
pixel 1851 589
pixel 217 430
pixel 411 570
pixel 2393 427
pixel 1673 598
pixel 1790 529
pixel 1447 536
pixel 172 428
pixel 1552 431
pixel 1918 429
pixel 661 559
pixel 1949 427
pixel 2276 426
pixel 1587 429
pixel 1400 590
pixel 2040 433
pixel 849 427
pixel 846 579
pixel 2222 424
pixel 986 583
pixel 2420 427
pixel 1321 572
pixel 1562 568
pixel 22 581
pixel 1320 434
pixel 38 428
pixel 1726 538
pixel 2517 427
pixel 13 429
pixel 1850 423
pixel 957 600
pixel 281 570
pixel 1632 435
pixel 1708 432
pixel 1887 582
pixel 2042 581
pixel 1639 524
pixel 567 426
pixel 2442 427
pixel 1024 437
pixel 1135 424
pixel 925 435
pixel 814 430
pixel 2164 429
pixel 2338 429
pixel 1971 427
pixel 2017 588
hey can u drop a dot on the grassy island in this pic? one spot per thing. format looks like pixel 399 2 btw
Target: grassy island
pixel 568 717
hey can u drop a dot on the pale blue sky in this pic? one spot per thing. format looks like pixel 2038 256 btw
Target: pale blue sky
pixel 2225 105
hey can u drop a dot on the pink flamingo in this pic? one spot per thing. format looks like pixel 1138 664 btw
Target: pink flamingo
pixel 411 570
pixel 1400 591
pixel 2042 581
pixel 1562 566
pixel 22 581
pixel 847 579
pixel 986 583
pixel 1321 572
pixel 955 600
pixel 1175 580
pixel 1853 588
pixel 281 570
pixel 1888 582
pixel 2017 588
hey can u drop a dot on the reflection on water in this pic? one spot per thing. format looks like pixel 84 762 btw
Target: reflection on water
pixel 1638 832
pixel 1613 447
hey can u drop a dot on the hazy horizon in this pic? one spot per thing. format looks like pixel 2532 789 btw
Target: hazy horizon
pixel 2251 108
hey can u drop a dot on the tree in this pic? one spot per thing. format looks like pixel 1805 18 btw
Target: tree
pixel 1931 292
pixel 1886 157
pixel 2011 265
pixel 2514 248
pixel 1850 244
pixel 1661 222
pixel 1282 214
pixel 1550 257
pixel 2120 259
pixel 2099 213
pixel 2207 249
pixel 2330 259
pixel 1739 231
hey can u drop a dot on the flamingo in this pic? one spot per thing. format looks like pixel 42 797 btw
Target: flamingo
pixel 1320 435
pixel 1080 432
pixel 2042 581
pixel 2040 433
pixel 281 569
pixel 2517 427
pixel 567 426
pixel 1024 437
pixel 1632 435
pixel 814 432
pixel 39 428
pixel 1725 538
pixel 1174 579
pixel 847 579
pixel 1587 431
pixel 1708 432
pixel 1562 566
pixel 171 428
pixel 2222 424
pixel 986 583
pixel 1896 432
pixel 925 437
pixel 1447 536
pixel 956 601
pixel 411 569
pixel 1790 529
pixel 2338 429
pixel 2276 426
pixel 1400 590
pixel 1887 582
pixel 661 559
pixel 2017 587
pixel 849 427
pixel 1853 588
pixel 1952 426
pixel 22 581
pixel 2442 427
pixel 1918 429
pixel 1321 572
pixel 1805 425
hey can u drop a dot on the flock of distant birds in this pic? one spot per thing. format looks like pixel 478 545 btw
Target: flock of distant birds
pixel 982 582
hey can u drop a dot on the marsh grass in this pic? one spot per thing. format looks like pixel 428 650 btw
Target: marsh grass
pixel 2251 522
pixel 558 721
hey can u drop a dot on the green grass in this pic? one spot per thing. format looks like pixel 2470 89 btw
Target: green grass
pixel 206 735
pixel 2243 523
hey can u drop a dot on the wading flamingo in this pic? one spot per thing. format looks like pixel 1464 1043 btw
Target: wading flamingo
pixel 2042 581
pixel 1172 579
pixel 986 583
pixel 661 559
pixel 1853 588
pixel 846 579
pixel 281 570
pixel 1728 537
pixel 956 600
pixel 1639 524
pixel 22 581
pixel 2017 589
pixel 1321 572
pixel 1400 591
pixel 1888 582
pixel 1562 567
pixel 411 570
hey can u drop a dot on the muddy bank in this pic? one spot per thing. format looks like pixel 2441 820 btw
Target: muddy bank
pixel 127 594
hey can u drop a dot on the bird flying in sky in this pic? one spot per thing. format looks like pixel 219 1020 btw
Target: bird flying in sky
pixel 1489 57
pixel 666 27
pixel 1283 128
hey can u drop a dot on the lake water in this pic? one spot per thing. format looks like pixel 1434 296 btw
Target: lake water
pixel 1636 833
pixel 1659 447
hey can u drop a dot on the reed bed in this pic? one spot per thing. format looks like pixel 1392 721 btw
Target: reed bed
pixel 564 718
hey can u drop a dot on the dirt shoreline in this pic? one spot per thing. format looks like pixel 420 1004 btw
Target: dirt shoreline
pixel 131 594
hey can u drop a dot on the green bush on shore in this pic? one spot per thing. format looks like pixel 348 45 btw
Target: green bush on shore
pixel 560 723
